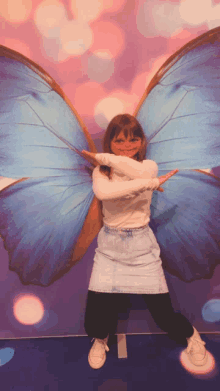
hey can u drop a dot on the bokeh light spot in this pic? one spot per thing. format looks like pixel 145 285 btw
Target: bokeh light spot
pixel 156 18
pixel 113 5
pixel 49 17
pixel 84 96
pixel 76 37
pixel 140 84
pixel 203 371
pixel 86 10
pixel 105 55
pixel 100 66
pixel 211 311
pixel 106 109
pixel 213 19
pixel 15 11
pixel 54 50
pixel 108 37
pixel 28 309
pixel 6 354
pixel 129 100
pixel 192 12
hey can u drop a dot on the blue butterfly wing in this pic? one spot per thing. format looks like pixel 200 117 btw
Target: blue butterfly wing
pixel 45 217
pixel 180 115
pixel 39 132
pixel 48 220
pixel 186 222
pixel 180 111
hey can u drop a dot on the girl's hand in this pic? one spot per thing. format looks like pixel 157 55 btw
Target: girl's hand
pixel 164 178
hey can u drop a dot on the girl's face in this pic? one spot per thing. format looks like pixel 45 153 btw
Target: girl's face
pixel 125 147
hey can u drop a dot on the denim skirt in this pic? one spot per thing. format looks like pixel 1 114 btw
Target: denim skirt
pixel 127 261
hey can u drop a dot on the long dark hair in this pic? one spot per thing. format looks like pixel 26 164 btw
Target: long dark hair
pixel 130 127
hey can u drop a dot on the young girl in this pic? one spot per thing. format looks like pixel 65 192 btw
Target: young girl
pixel 127 259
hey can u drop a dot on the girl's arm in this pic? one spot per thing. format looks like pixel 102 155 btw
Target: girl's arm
pixel 105 189
pixel 127 166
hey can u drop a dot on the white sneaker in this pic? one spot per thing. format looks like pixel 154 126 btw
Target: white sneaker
pixel 97 354
pixel 196 350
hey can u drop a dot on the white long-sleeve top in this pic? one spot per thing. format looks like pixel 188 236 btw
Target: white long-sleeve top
pixel 126 197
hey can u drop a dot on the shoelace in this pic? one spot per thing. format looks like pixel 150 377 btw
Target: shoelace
pixel 196 344
pixel 102 342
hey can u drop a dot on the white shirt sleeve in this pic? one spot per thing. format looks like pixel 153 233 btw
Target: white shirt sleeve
pixel 105 189
pixel 127 166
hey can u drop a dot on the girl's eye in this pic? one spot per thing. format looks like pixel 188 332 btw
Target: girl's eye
pixel 122 141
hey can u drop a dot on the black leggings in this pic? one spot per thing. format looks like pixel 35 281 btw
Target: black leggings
pixel 102 315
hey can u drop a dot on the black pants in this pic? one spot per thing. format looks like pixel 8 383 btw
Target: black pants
pixel 102 315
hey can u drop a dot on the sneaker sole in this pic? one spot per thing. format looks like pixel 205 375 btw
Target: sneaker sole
pixel 96 366
pixel 199 363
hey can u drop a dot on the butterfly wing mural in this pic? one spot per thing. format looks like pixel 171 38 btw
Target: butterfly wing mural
pixel 49 218
pixel 180 115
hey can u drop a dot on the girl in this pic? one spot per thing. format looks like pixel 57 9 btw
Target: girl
pixel 127 259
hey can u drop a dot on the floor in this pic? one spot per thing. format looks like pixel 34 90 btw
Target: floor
pixel 154 362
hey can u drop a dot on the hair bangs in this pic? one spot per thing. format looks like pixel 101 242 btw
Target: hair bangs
pixel 132 130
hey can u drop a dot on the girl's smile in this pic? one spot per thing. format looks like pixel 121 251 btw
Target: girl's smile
pixel 123 146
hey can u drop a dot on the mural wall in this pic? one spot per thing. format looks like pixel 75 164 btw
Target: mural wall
pixel 103 55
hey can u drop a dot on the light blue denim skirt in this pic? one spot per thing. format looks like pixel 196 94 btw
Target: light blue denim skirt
pixel 127 261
